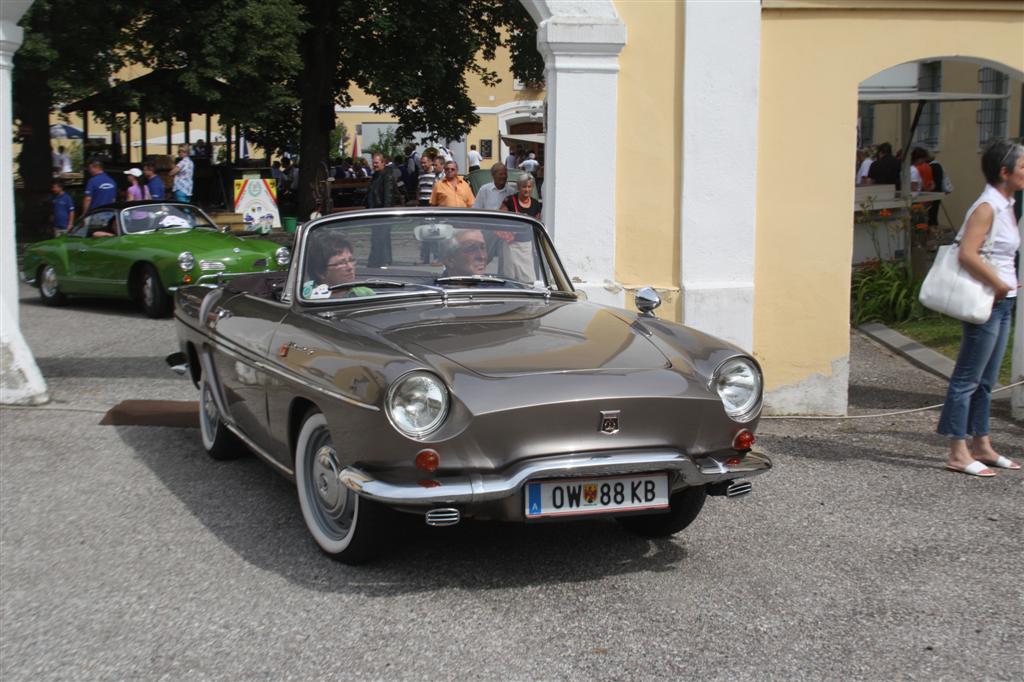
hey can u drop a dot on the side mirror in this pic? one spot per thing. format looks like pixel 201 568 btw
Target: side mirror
pixel 646 300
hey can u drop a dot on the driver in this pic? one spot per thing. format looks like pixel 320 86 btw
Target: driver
pixel 465 254
pixel 331 262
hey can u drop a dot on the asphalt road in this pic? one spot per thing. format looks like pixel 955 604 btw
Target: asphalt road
pixel 125 553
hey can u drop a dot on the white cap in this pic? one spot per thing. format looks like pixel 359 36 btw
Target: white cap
pixel 134 171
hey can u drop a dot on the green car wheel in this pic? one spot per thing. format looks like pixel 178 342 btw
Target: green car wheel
pixel 49 287
pixel 154 299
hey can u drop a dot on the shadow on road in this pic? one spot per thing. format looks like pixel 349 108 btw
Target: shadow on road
pixel 139 367
pixel 256 513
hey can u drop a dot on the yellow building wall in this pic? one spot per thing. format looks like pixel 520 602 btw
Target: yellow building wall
pixel 812 62
pixel 648 144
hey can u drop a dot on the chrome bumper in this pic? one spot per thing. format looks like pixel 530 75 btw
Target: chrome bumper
pixel 477 488
pixel 213 279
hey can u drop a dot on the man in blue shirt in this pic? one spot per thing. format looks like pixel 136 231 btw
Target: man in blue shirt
pixel 153 181
pixel 101 188
pixel 63 208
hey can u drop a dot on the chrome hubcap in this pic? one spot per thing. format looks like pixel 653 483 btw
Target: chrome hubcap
pixel 49 282
pixel 332 494
pixel 147 290
pixel 208 414
pixel 331 501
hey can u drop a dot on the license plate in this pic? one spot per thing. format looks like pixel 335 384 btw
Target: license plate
pixel 568 497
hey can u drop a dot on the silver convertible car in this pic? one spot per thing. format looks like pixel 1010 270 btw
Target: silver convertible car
pixel 438 362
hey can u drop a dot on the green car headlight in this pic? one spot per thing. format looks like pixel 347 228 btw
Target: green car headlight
pixel 186 261
pixel 283 256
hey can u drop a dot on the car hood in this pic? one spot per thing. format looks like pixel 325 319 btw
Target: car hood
pixel 205 244
pixel 520 337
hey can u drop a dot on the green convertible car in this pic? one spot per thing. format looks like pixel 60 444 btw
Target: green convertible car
pixel 144 250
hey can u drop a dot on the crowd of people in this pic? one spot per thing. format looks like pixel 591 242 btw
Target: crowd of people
pixel 879 166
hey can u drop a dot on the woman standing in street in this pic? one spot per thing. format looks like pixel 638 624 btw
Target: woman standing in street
pixel 969 397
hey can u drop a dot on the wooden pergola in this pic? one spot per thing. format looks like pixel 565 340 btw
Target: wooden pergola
pixel 160 95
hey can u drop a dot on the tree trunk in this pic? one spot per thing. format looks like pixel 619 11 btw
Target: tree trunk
pixel 35 162
pixel 321 47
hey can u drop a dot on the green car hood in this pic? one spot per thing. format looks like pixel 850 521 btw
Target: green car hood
pixel 206 245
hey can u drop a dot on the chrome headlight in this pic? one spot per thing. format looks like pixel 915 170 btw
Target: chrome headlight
pixel 738 383
pixel 283 256
pixel 186 261
pixel 417 403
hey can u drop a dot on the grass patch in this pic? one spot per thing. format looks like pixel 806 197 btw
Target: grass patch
pixel 942 334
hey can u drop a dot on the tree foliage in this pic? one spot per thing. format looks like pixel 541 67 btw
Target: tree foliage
pixel 283 65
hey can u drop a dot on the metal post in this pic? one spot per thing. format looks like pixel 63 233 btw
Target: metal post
pixel 170 124
pixel 142 132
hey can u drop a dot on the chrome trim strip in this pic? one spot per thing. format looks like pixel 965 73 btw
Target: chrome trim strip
pixel 293 379
pixel 475 488
pixel 259 451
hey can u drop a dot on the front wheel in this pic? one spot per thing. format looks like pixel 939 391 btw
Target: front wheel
pixel 155 301
pixel 218 441
pixel 347 528
pixel 684 506
pixel 49 287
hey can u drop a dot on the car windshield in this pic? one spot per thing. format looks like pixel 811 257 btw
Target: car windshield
pixel 424 252
pixel 151 217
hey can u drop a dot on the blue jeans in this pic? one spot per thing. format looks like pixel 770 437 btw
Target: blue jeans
pixel 977 370
pixel 182 197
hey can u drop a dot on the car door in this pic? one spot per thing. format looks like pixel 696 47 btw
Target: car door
pixel 243 327
pixel 97 262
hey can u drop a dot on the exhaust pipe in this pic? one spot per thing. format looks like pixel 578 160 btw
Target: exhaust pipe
pixel 730 489
pixel 446 516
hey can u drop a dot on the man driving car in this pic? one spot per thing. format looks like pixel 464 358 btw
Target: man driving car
pixel 465 254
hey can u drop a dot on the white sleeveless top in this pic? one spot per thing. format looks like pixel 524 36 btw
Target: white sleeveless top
pixel 1007 236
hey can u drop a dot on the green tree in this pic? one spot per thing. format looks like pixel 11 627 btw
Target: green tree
pixel 285 64
pixel 58 62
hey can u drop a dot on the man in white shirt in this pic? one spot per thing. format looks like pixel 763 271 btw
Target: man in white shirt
pixel 531 164
pixel 491 195
pixel 474 158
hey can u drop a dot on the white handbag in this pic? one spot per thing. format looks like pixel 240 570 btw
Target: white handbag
pixel 951 290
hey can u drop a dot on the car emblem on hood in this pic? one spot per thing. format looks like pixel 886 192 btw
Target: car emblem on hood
pixel 609 422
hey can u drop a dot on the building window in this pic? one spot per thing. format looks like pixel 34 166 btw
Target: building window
pixel 865 125
pixel 992 114
pixel 929 79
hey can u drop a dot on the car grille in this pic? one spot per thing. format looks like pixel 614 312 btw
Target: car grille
pixel 211 265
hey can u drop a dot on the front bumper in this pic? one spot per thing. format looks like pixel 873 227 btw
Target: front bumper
pixel 212 279
pixel 477 488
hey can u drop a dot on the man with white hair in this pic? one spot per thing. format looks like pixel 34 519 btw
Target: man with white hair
pixel 491 195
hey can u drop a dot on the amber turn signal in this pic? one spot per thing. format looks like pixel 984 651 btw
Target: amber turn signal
pixel 428 460
pixel 744 440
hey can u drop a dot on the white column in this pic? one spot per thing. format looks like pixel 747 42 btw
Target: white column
pixel 20 380
pixel 580 42
pixel 721 63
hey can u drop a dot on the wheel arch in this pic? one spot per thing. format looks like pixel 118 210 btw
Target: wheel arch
pixel 135 275
pixel 297 412
pixel 195 370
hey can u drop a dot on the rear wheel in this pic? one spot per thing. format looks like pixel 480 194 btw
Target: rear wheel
pixel 218 441
pixel 49 287
pixel 684 506
pixel 154 299
pixel 347 528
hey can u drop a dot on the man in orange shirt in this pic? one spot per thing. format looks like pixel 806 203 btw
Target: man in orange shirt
pixel 452 190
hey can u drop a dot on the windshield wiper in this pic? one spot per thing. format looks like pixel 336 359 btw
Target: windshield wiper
pixel 378 283
pixel 469 279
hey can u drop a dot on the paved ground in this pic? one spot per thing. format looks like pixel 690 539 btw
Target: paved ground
pixel 126 553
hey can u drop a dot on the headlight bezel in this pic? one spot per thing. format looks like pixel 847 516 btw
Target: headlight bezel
pixel 283 256
pixel 186 261
pixel 436 423
pixel 749 409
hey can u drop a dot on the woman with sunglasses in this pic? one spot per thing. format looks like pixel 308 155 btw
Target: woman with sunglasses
pixel 969 397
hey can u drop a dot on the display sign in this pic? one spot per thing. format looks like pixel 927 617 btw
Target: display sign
pixel 256 200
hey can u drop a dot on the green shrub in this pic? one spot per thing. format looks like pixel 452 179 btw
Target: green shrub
pixel 884 292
